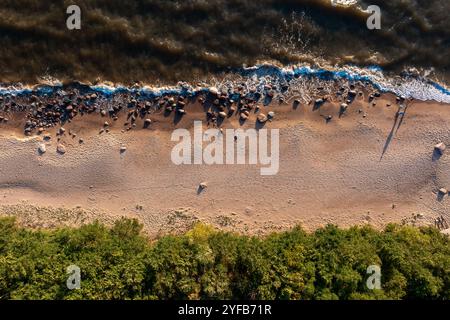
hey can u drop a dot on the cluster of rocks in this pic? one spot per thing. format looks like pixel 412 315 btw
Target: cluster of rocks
pixel 46 112
pixel 43 111
pixel 49 110
pixel 220 105
pixel 346 95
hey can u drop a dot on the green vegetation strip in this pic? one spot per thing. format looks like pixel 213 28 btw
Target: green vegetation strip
pixel 121 263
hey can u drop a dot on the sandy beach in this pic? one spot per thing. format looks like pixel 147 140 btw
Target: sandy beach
pixel 358 168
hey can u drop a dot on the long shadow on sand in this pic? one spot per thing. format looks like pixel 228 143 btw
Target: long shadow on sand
pixel 436 155
pixel 399 115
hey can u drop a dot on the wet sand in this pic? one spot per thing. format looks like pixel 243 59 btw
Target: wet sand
pixel 330 172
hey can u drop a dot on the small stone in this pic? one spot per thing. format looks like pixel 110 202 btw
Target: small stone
pixel 123 149
pixel 106 124
pixel 271 114
pixel 203 185
pixel 440 147
pixel 262 118
pixel 443 191
pixel 243 116
pixel 81 140
pixel 62 130
pixel 42 148
pixel 222 114
pixel 103 113
pixel 61 149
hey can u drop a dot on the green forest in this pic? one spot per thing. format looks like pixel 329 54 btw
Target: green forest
pixel 120 262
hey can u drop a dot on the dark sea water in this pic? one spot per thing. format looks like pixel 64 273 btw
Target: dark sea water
pixel 163 41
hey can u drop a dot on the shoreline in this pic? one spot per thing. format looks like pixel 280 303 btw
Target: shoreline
pixel 410 83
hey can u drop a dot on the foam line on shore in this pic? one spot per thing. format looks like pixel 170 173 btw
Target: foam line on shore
pixel 408 85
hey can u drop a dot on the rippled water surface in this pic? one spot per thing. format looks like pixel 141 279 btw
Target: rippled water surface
pixel 162 41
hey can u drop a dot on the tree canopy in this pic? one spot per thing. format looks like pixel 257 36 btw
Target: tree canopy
pixel 121 263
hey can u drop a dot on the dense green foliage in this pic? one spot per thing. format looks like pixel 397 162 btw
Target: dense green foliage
pixel 120 263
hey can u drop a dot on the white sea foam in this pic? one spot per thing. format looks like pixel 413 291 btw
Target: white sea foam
pixel 298 79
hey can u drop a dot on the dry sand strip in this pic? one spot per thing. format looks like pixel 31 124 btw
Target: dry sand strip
pixel 355 169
